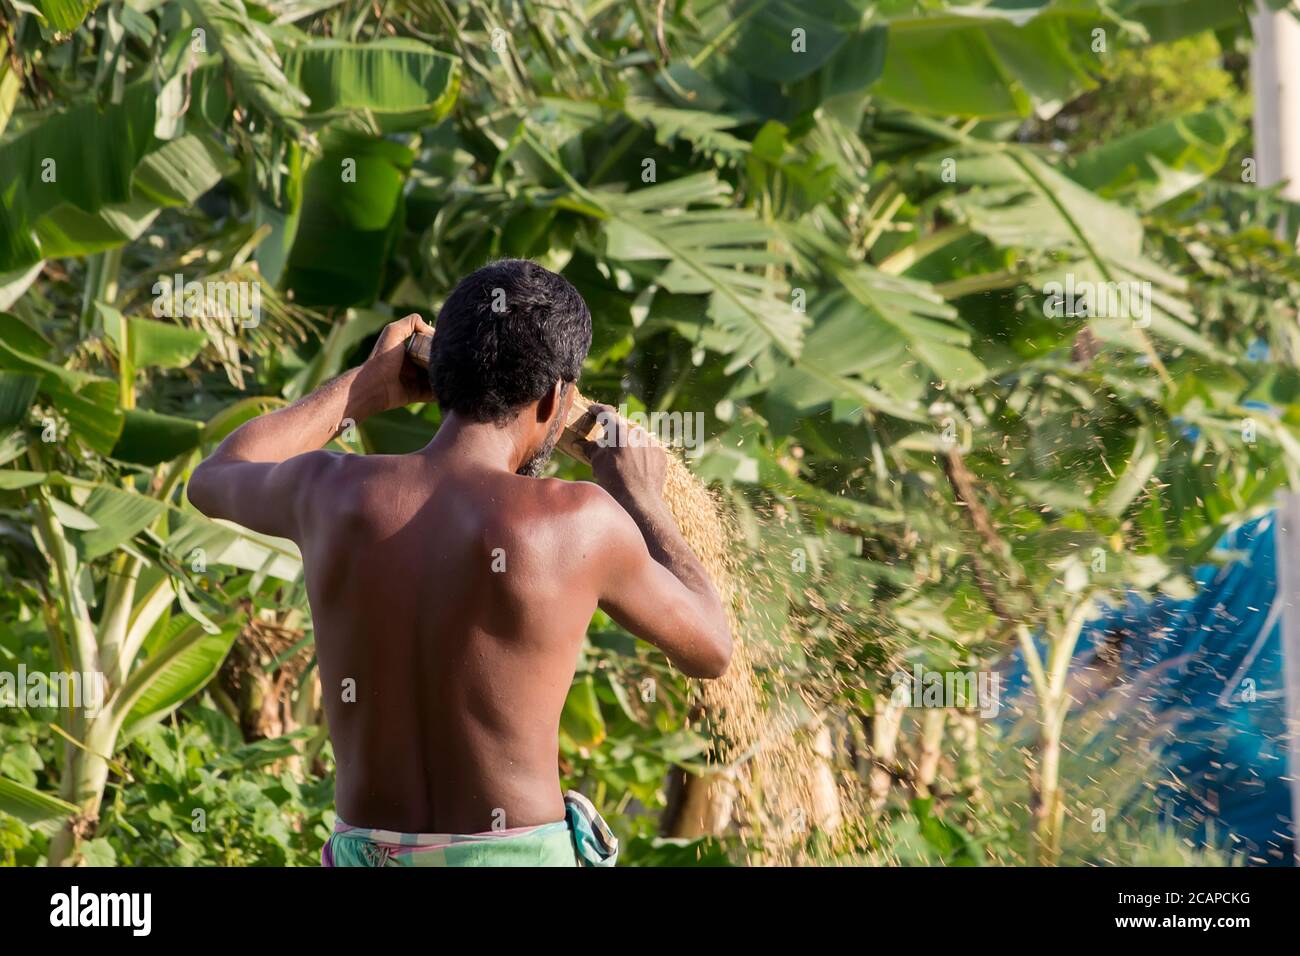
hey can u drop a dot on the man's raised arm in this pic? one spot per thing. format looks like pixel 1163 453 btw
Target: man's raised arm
pixel 259 475
pixel 654 585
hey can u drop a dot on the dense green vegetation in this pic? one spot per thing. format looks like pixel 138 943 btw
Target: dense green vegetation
pixel 833 228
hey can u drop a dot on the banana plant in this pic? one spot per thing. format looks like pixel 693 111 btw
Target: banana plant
pixel 165 156
pixel 121 553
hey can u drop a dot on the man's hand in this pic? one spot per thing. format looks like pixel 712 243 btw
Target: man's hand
pixel 626 461
pixel 389 373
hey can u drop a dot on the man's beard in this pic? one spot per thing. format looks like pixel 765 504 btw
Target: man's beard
pixel 532 468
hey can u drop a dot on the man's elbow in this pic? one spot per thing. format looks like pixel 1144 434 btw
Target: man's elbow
pixel 716 658
pixel 200 489
pixel 719 662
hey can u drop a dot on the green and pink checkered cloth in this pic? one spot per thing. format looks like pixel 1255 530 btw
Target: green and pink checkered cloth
pixel 582 838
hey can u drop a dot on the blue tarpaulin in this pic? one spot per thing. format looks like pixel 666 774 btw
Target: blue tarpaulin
pixel 1215 670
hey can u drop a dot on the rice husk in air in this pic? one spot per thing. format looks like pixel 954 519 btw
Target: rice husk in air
pixel 773 778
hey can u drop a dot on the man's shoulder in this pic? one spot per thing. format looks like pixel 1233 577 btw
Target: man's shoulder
pixel 580 499
pixel 593 516
pixel 314 471
pixel 575 510
pixel 339 482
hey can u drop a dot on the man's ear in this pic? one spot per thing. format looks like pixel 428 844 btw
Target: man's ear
pixel 549 404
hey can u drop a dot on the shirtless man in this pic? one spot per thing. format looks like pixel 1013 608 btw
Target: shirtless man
pixel 451 588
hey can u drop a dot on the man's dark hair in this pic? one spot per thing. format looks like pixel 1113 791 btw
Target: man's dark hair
pixel 504 336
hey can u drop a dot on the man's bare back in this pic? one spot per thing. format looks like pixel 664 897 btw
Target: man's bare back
pixel 452 601
pixel 450 593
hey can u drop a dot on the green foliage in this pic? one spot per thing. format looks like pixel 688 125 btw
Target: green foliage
pixel 1145 86
pixel 191 805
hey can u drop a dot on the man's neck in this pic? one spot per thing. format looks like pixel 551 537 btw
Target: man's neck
pixel 479 444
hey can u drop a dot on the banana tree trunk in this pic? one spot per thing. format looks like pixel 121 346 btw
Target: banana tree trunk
pixel 1050 687
pixel 885 727
pixel 927 764
pixel 85 774
pixel 705 805
pixel 1049 805
pixel 970 770
pixel 825 791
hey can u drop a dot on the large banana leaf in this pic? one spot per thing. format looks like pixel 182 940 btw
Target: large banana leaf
pixel 66 231
pixel 102 517
pixel 1017 200
pixel 1154 165
pixel 64 16
pixel 351 214
pixel 149 438
pixel 843 343
pixel 17 391
pixel 717 253
pixel 179 668
pixel 387 77
pixel 182 170
pixel 877 340
pixel 989 63
pixel 784 59
pixel 1020 202
pixel 920 320
pixel 706 131
pixel 254 64
pixel 80 156
pixel 399 84
pixel 767 46
pixel 41 810
pixel 104 177
pixel 87 402
pixel 119 515
pixel 222 543
pixel 176 175
pixel 162 344
pixel 103 173
pixel 707 250
pixel 323 78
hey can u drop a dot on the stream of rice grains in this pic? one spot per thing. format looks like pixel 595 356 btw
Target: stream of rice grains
pixel 773 781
